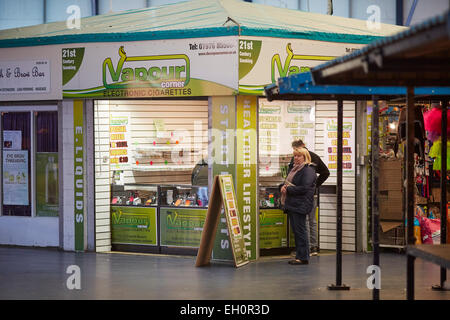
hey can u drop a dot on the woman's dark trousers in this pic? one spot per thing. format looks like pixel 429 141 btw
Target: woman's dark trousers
pixel 298 223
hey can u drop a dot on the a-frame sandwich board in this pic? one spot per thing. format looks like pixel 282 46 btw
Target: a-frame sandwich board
pixel 222 194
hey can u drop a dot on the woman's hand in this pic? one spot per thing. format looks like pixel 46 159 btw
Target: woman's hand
pixel 284 189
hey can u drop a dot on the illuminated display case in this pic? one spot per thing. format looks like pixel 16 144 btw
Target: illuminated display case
pixel 134 195
pixel 269 197
pixel 158 218
pixel 184 196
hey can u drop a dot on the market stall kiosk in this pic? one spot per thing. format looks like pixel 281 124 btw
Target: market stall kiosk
pixel 300 86
pixel 417 57
pixel 162 102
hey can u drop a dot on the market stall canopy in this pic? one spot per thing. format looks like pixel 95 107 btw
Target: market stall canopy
pixel 197 19
pixel 416 57
pixel 300 86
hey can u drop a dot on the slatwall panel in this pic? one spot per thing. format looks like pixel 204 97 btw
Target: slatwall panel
pixel 327 217
pixel 188 118
pixel 102 177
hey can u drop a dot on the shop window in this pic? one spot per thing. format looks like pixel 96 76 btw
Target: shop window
pixel 158 153
pixel 46 163
pixel 16 170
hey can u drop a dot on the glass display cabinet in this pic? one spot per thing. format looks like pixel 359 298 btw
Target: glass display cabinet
pixel 134 195
pixel 158 218
pixel 184 196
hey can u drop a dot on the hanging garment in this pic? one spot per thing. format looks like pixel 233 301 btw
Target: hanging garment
pixel 433 123
pixel 419 131
pixel 435 152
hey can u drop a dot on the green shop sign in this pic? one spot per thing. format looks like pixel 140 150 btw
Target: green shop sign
pixel 181 227
pixel 272 229
pixel 78 173
pixel 246 171
pixel 150 73
pixel 133 225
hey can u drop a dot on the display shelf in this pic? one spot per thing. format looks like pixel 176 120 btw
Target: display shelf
pixel 269 173
pixel 166 167
pixel 164 148
pixel 130 187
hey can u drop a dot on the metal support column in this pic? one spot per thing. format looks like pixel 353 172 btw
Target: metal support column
pixel 375 178
pixel 340 121
pixel 443 185
pixel 409 192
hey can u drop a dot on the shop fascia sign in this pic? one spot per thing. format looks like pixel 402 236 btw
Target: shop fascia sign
pixel 163 71
pixel 157 68
pixel 262 61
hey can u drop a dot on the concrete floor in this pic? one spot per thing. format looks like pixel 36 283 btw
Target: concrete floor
pixel 28 273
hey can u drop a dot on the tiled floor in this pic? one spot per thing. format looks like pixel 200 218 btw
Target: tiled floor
pixel 27 273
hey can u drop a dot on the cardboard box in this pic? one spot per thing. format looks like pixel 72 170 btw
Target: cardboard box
pixel 421 200
pixel 388 225
pixel 390 205
pixel 390 175
pixel 436 194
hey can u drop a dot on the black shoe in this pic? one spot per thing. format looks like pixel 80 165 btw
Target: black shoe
pixel 298 261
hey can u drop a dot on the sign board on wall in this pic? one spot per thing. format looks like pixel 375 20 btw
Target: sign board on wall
pixel 263 60
pixel 246 170
pixel 34 73
pixel 348 145
pixel 78 143
pixel 222 195
pixel 152 69
pixel 25 76
pixel 222 158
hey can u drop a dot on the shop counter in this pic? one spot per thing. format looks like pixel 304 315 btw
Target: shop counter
pixel 158 218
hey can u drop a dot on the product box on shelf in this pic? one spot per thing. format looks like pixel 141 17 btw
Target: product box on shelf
pixel 436 194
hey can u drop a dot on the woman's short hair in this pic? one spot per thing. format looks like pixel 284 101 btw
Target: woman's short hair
pixel 303 152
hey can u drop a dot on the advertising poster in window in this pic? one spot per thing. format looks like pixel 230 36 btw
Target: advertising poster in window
pixel 12 139
pixel 280 123
pixel 182 227
pixel 133 225
pixel 119 139
pixel 15 178
pixel 47 184
pixel 348 145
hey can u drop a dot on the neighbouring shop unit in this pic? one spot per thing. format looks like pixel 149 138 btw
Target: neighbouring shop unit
pixel 426 172
pixel 158 109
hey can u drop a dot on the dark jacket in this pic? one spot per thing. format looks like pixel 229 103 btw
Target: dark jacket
pixel 300 198
pixel 321 168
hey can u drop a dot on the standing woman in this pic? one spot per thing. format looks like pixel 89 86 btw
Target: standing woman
pixel 297 197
